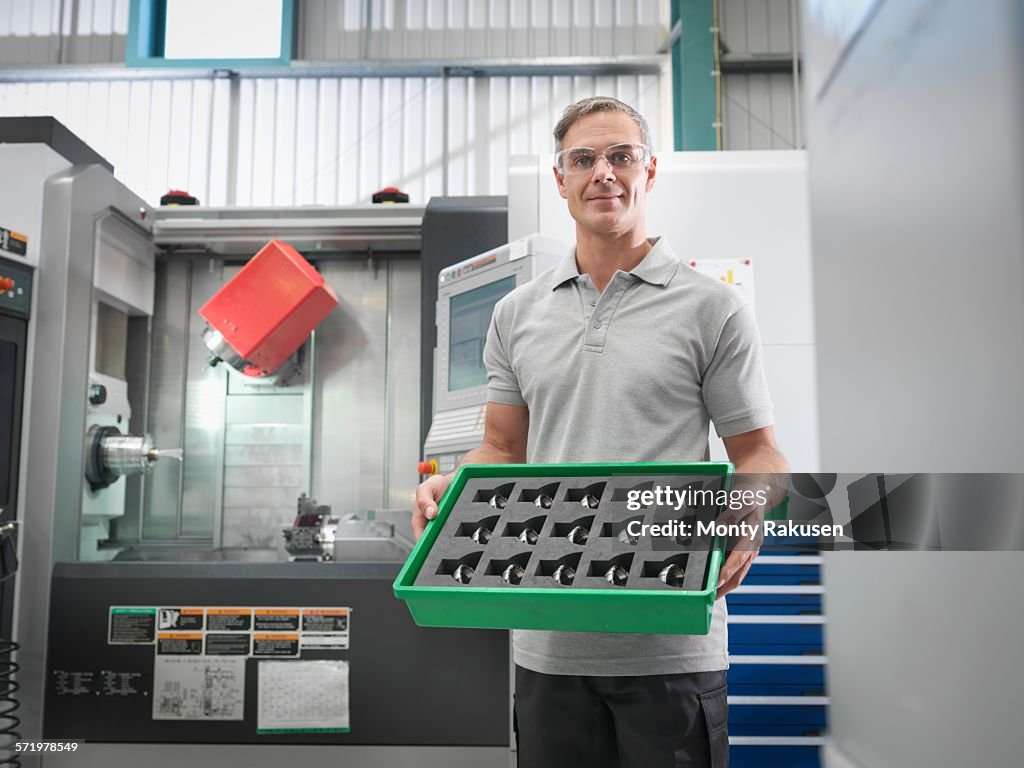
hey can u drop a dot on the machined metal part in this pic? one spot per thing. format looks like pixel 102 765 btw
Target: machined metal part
pixel 316 535
pixel 627 538
pixel 590 501
pixel 220 350
pixel 543 501
pixel 128 454
pixel 578 535
pixel 110 455
pixel 513 573
pixel 463 574
pixel 481 535
pixel 564 574
pixel 497 501
pixel 312 534
pixel 529 536
pixel 616 575
pixel 672 575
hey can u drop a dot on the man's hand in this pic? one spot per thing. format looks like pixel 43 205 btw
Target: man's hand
pixel 505 430
pixel 759 467
pixel 741 551
pixel 428 494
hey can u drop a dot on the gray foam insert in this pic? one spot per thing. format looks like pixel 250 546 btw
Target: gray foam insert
pixel 642 560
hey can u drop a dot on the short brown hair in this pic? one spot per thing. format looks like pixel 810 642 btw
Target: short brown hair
pixel 593 104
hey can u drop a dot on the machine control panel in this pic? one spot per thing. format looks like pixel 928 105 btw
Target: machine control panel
pixel 15 288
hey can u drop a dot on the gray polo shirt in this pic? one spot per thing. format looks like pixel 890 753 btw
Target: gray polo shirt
pixel 636 373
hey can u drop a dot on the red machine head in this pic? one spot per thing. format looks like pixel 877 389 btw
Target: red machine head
pixel 266 311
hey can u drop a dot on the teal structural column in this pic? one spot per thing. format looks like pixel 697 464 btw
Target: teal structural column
pixel 694 76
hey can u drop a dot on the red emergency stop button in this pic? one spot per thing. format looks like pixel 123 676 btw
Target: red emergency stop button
pixel 6 284
pixel 427 467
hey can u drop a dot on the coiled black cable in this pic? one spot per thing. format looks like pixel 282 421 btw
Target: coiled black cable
pixel 9 704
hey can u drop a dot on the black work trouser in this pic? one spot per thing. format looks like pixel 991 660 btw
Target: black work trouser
pixel 648 721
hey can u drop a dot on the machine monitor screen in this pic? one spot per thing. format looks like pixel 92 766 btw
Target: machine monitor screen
pixel 470 318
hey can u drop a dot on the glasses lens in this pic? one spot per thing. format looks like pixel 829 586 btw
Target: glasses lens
pixel 578 160
pixel 620 157
pixel 625 156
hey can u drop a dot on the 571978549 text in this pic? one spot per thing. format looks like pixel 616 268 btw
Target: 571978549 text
pixel 46 746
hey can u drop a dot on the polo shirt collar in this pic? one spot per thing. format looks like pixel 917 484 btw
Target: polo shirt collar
pixel 658 266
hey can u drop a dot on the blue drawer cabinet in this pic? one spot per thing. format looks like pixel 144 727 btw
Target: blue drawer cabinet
pixel 778 702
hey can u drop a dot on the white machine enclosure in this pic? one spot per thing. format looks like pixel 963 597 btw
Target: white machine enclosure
pixel 719 207
pixel 90 243
pixel 21 204
pixel 123 287
pixel 459 411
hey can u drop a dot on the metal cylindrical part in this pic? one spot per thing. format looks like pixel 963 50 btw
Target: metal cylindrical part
pixel 127 454
pixel 220 349
pixel 109 455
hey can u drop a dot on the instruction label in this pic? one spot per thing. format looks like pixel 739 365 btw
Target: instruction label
pixel 179 644
pixel 302 696
pixel 228 644
pixel 13 242
pixel 325 620
pixel 228 619
pixel 264 631
pixel 131 626
pixel 275 644
pixel 181 618
pixel 198 689
pixel 276 619
pixel 72 683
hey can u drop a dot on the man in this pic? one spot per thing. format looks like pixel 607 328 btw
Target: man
pixel 621 353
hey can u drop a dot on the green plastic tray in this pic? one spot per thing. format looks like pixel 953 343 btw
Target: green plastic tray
pixel 590 610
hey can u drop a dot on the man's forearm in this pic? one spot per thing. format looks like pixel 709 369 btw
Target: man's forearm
pixel 491 454
pixel 766 467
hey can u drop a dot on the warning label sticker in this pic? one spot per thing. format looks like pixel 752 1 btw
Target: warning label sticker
pixel 179 644
pixel 325 620
pixel 227 619
pixel 275 644
pixel 181 618
pixel 13 242
pixel 228 644
pixel 263 631
pixel 276 619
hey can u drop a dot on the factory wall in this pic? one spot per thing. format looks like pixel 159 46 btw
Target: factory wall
pixel 761 111
pixel 324 141
pixel 39 32
pixel 336 140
